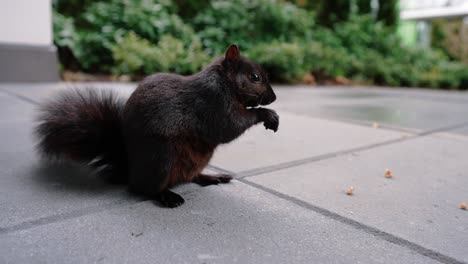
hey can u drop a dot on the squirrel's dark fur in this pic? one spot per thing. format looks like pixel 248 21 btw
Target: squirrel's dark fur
pixel 168 129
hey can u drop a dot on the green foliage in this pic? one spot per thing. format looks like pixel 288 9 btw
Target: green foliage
pixel 283 61
pixel 72 8
pixel 331 12
pixel 188 9
pixel 66 39
pixel 136 55
pixel 364 6
pixel 248 23
pixel 447 75
pixel 326 61
pixel 103 24
pixel 140 37
pixel 411 67
pixel 388 12
pixel 64 31
pixel 148 18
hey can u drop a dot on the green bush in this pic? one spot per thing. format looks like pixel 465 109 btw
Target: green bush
pixel 136 55
pixel 103 24
pixel 249 23
pixel 289 61
pixel 283 61
pixel 447 75
pixel 140 37
pixel 327 61
pixel 362 49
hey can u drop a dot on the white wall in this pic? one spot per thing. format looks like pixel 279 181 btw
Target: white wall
pixel 421 4
pixel 26 22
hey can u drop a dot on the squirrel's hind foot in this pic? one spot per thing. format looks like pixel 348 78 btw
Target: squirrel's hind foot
pixel 206 180
pixel 169 199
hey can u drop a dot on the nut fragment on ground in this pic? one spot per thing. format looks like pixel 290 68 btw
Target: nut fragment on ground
pixel 350 190
pixel 375 125
pixel 388 173
pixel 463 206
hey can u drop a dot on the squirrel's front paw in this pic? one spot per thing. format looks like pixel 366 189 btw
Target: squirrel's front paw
pixel 270 119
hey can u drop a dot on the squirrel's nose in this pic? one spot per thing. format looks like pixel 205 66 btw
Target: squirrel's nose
pixel 273 98
pixel 268 98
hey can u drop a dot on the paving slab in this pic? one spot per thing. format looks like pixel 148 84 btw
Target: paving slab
pixel 66 214
pixel 298 137
pixel 462 130
pixel 12 109
pixel 32 189
pixel 43 91
pixel 16 136
pixel 413 110
pixel 231 223
pixel 379 91
pixel 420 203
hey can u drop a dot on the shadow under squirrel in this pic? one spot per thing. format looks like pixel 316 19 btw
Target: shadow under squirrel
pixel 167 131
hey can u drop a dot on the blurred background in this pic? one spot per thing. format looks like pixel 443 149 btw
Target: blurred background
pixel 409 43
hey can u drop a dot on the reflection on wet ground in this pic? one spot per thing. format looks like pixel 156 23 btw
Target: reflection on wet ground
pixel 411 110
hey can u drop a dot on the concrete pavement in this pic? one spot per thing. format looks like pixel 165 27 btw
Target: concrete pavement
pixel 288 202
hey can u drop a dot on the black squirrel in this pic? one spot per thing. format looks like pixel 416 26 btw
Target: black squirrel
pixel 167 131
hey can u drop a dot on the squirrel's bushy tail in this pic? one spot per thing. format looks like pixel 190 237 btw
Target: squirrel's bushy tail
pixel 85 125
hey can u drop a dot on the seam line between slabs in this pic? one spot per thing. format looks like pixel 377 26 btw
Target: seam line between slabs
pixel 20 97
pixel 353 223
pixel 360 226
pixel 368 229
pixel 295 163
pixel 66 216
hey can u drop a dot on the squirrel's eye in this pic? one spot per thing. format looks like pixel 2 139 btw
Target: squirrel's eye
pixel 254 77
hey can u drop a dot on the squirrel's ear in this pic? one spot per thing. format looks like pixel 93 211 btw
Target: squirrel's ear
pixel 232 53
